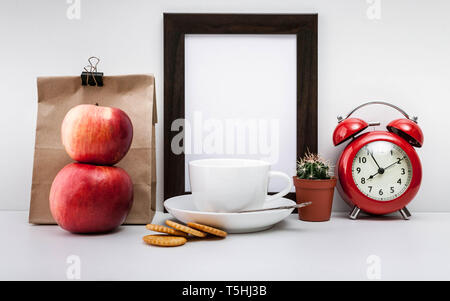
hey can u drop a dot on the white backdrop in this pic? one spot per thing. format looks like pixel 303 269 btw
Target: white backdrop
pixel 396 50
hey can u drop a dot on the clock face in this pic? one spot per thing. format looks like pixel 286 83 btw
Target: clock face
pixel 382 170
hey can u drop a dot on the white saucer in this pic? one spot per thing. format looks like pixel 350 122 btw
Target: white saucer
pixel 182 207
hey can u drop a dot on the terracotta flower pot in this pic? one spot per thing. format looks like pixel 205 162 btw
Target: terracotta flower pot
pixel 320 193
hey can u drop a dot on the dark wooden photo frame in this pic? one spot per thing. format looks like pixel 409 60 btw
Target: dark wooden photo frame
pixel 177 25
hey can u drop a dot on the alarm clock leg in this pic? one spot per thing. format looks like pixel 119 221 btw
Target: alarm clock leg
pixel 354 213
pixel 405 213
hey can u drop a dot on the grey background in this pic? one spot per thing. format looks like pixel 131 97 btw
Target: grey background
pixel 402 57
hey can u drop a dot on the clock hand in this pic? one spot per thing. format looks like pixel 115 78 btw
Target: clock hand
pixel 396 162
pixel 371 154
pixel 371 177
pixel 379 171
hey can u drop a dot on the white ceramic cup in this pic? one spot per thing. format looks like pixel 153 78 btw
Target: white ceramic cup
pixel 232 185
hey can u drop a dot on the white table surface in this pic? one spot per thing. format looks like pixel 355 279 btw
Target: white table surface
pixel 418 249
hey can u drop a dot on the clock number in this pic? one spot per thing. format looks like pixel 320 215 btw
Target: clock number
pixel 403 171
pixel 399 160
pixel 362 159
pixel 380 192
pixel 370 188
pixel 363 180
pixel 358 169
pixel 399 181
pixel 392 189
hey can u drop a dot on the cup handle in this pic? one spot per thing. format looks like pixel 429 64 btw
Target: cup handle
pixel 283 192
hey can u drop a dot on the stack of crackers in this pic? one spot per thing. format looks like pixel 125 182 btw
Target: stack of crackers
pixel 177 234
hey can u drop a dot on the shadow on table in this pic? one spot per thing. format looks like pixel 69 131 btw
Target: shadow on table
pixel 60 231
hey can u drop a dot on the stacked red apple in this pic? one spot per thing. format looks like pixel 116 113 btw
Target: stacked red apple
pixel 92 195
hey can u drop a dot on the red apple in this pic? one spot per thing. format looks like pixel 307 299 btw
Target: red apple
pixel 97 135
pixel 88 198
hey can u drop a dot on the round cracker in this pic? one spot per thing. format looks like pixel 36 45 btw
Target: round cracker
pixel 208 229
pixel 162 240
pixel 185 228
pixel 164 229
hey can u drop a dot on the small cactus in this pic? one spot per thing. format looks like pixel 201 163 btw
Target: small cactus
pixel 313 167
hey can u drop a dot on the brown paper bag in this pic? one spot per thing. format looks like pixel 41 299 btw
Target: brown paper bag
pixel 135 95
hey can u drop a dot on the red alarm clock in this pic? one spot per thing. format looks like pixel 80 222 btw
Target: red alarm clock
pixel 379 172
